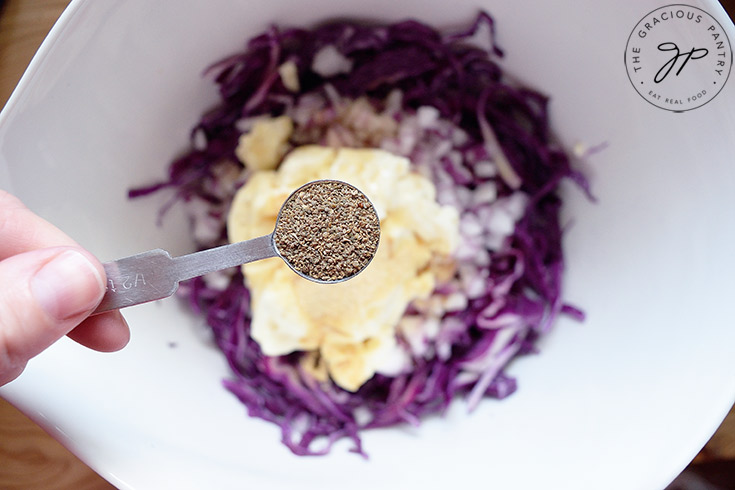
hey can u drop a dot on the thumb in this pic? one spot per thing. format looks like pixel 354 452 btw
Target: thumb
pixel 43 295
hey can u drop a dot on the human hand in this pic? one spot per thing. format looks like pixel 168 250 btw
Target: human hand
pixel 48 287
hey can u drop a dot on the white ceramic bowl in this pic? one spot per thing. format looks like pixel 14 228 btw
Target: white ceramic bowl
pixel 624 400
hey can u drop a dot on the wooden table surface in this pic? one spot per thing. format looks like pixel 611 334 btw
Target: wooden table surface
pixel 29 458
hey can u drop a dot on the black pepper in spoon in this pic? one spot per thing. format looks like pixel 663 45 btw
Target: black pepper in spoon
pixel 327 231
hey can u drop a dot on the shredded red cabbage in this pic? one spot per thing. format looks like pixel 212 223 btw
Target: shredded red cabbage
pixel 519 293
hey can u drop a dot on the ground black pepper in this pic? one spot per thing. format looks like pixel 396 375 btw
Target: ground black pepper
pixel 327 230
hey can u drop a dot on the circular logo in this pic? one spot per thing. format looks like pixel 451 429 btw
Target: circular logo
pixel 678 57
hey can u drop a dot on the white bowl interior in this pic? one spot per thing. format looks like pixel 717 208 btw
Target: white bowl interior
pixel 632 393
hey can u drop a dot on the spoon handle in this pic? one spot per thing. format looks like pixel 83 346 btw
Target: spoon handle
pixel 154 274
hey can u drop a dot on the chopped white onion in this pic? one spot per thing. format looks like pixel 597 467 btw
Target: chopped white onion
pixel 199 140
pixel 500 222
pixel 469 226
pixel 329 62
pixel 394 362
pixel 484 169
pixel 485 193
pixel 427 116
pixel 515 205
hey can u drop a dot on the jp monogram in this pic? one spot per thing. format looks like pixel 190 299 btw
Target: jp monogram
pixel 678 57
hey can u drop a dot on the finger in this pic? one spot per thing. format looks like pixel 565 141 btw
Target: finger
pixel 21 230
pixel 44 295
pixel 107 332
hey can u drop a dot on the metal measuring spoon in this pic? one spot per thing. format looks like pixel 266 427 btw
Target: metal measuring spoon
pixel 327 231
